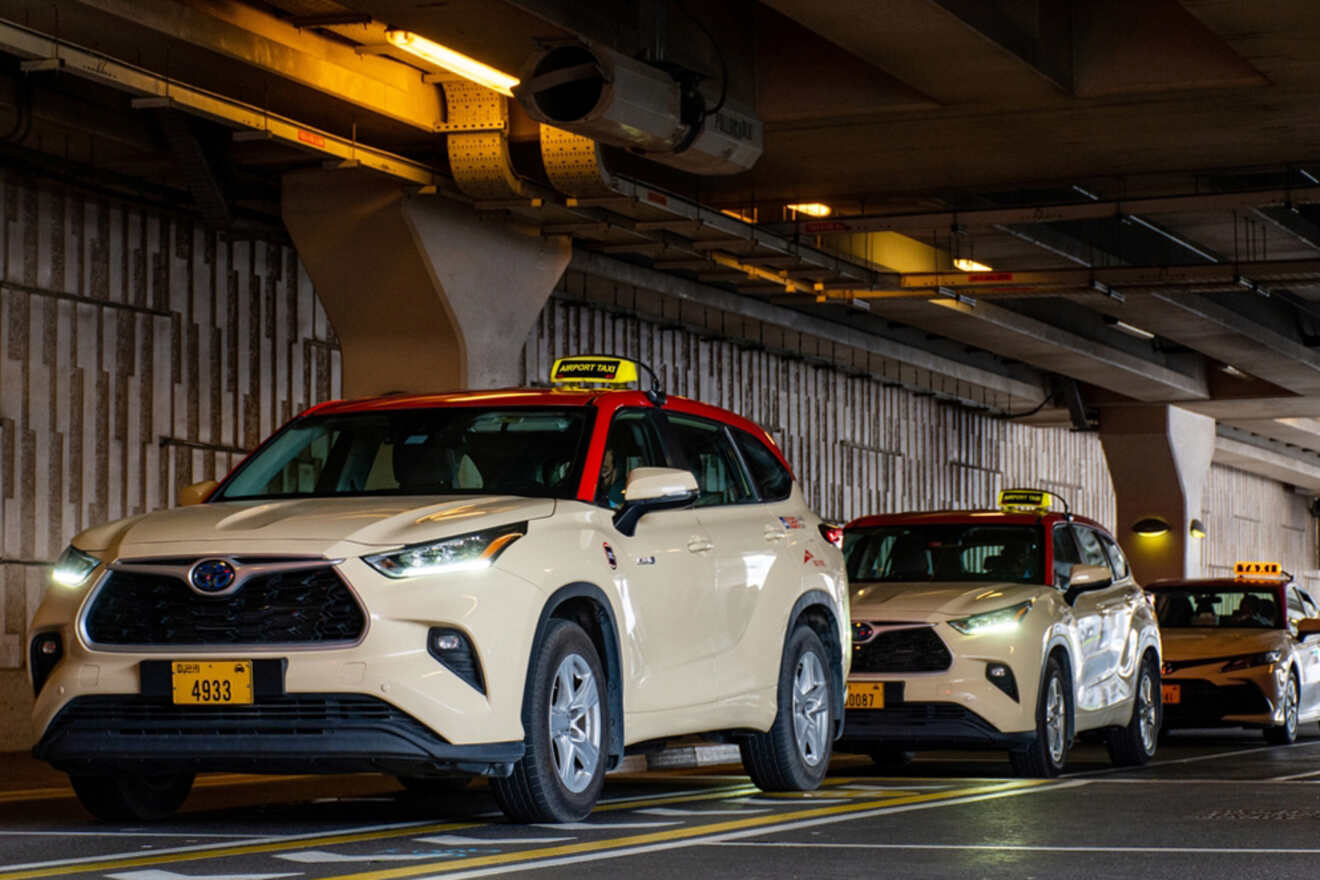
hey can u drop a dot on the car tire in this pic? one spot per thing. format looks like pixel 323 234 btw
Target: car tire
pixel 794 754
pixel 1133 744
pixel 565 716
pixel 142 798
pixel 1285 734
pixel 1047 752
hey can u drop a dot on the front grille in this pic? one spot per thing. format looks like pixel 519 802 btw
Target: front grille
pixel 912 649
pixel 294 714
pixel 306 606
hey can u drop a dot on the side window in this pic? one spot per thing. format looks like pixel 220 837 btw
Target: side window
pixel 1117 561
pixel 773 481
pixel 712 459
pixel 631 443
pixel 1089 545
pixel 1308 604
pixel 1295 609
pixel 1065 554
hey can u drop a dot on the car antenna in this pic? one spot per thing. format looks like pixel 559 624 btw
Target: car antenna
pixel 655 394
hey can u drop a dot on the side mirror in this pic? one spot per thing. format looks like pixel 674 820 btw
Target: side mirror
pixel 653 488
pixel 196 493
pixel 1308 627
pixel 1083 578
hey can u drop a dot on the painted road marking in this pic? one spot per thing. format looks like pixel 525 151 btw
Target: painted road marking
pixel 462 840
pixel 682 836
pixel 1012 847
pixel 170 875
pixel 142 833
pixel 786 802
pixel 1305 775
pixel 284 843
pixel 598 826
pixel 679 811
pixel 56 792
pixel 1233 754
pixel 321 857
pixel 450 872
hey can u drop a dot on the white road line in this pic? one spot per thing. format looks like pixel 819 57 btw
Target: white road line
pixel 464 841
pixel 677 811
pixel 1305 775
pixel 321 857
pixel 157 874
pixel 1233 754
pixel 858 786
pixel 143 833
pixel 1010 847
pixel 1227 780
pixel 749 832
pixel 788 802
pixel 600 826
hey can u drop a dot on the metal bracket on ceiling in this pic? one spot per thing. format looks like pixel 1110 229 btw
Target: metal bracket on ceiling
pixel 478 145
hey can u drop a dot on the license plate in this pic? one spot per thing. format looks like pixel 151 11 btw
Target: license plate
pixel 211 683
pixel 865 695
pixel 1172 694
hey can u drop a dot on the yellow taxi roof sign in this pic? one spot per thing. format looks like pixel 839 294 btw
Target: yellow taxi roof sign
pixel 1258 571
pixel 1025 500
pixel 593 371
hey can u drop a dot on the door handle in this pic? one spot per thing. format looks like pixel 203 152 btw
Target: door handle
pixel 699 545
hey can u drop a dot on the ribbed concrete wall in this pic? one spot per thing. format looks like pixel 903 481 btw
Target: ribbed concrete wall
pixel 1251 517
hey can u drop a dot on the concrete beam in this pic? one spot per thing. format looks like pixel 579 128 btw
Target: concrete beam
pixel 239 31
pixel 1277 465
pixel 1303 433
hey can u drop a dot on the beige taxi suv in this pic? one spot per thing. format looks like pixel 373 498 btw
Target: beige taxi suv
pixel 1015 628
pixel 521 584
pixel 1240 652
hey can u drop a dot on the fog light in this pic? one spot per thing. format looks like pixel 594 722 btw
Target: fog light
pixel 448 642
pixel 44 655
pixel 999 675
pixel 455 652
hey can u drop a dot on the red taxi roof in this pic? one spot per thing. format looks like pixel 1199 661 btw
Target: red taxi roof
pixel 960 517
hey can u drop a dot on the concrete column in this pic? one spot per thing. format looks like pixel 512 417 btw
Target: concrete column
pixel 423 294
pixel 1159 458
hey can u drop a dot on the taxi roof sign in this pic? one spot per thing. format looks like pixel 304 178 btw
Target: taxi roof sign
pixel 1259 571
pixel 593 371
pixel 1025 500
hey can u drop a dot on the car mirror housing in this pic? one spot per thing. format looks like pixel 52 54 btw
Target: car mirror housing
pixel 1083 578
pixel 196 493
pixel 1308 628
pixel 654 488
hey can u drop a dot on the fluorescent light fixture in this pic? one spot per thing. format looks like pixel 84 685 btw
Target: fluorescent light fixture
pixel 1234 372
pixel 1129 329
pixel 967 265
pixel 454 62
pixel 811 209
pixel 744 216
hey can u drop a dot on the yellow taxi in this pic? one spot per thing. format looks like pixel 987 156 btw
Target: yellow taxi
pixel 1240 652
pixel 1013 629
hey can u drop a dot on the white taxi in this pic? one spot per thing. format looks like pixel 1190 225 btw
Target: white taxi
pixel 1240 652
pixel 1015 628
pixel 519 583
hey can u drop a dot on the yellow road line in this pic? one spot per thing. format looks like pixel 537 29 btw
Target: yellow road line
pixel 57 792
pixel 116 863
pixel 690 831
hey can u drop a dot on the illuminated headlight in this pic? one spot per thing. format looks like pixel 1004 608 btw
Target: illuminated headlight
pixel 1003 620
pixel 1249 660
pixel 471 552
pixel 73 567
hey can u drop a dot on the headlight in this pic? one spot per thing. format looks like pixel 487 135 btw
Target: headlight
pixel 73 567
pixel 1003 620
pixel 470 552
pixel 1249 660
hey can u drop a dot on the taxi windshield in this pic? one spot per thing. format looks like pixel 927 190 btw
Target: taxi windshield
pixel 534 451
pixel 1191 607
pixel 946 552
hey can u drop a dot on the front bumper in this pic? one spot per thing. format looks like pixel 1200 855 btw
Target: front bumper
pixel 296 733
pixel 1224 702
pixel 924 725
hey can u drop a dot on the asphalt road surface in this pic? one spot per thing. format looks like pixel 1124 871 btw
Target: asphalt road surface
pixel 1210 805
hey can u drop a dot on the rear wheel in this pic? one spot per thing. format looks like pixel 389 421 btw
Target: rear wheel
pixel 132 798
pixel 1134 744
pixel 794 753
pixel 1286 733
pixel 560 776
pixel 1048 750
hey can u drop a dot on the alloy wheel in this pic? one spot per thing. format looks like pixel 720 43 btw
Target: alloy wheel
pixel 1055 720
pixel 575 723
pixel 811 710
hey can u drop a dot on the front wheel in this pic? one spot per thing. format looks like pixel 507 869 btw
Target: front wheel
pixel 1134 744
pixel 1285 734
pixel 132 798
pixel 794 753
pixel 561 773
pixel 1045 755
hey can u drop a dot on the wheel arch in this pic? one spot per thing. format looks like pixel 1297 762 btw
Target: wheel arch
pixel 587 605
pixel 1059 649
pixel 816 609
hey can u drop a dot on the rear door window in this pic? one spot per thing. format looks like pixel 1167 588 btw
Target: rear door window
pixel 709 453
pixel 773 481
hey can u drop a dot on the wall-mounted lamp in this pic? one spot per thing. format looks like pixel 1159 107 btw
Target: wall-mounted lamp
pixel 1196 529
pixel 1150 527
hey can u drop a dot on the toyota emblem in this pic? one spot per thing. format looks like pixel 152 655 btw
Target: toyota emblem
pixel 212 576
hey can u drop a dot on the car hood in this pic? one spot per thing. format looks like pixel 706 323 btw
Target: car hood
pixel 317 524
pixel 924 600
pixel 1207 643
